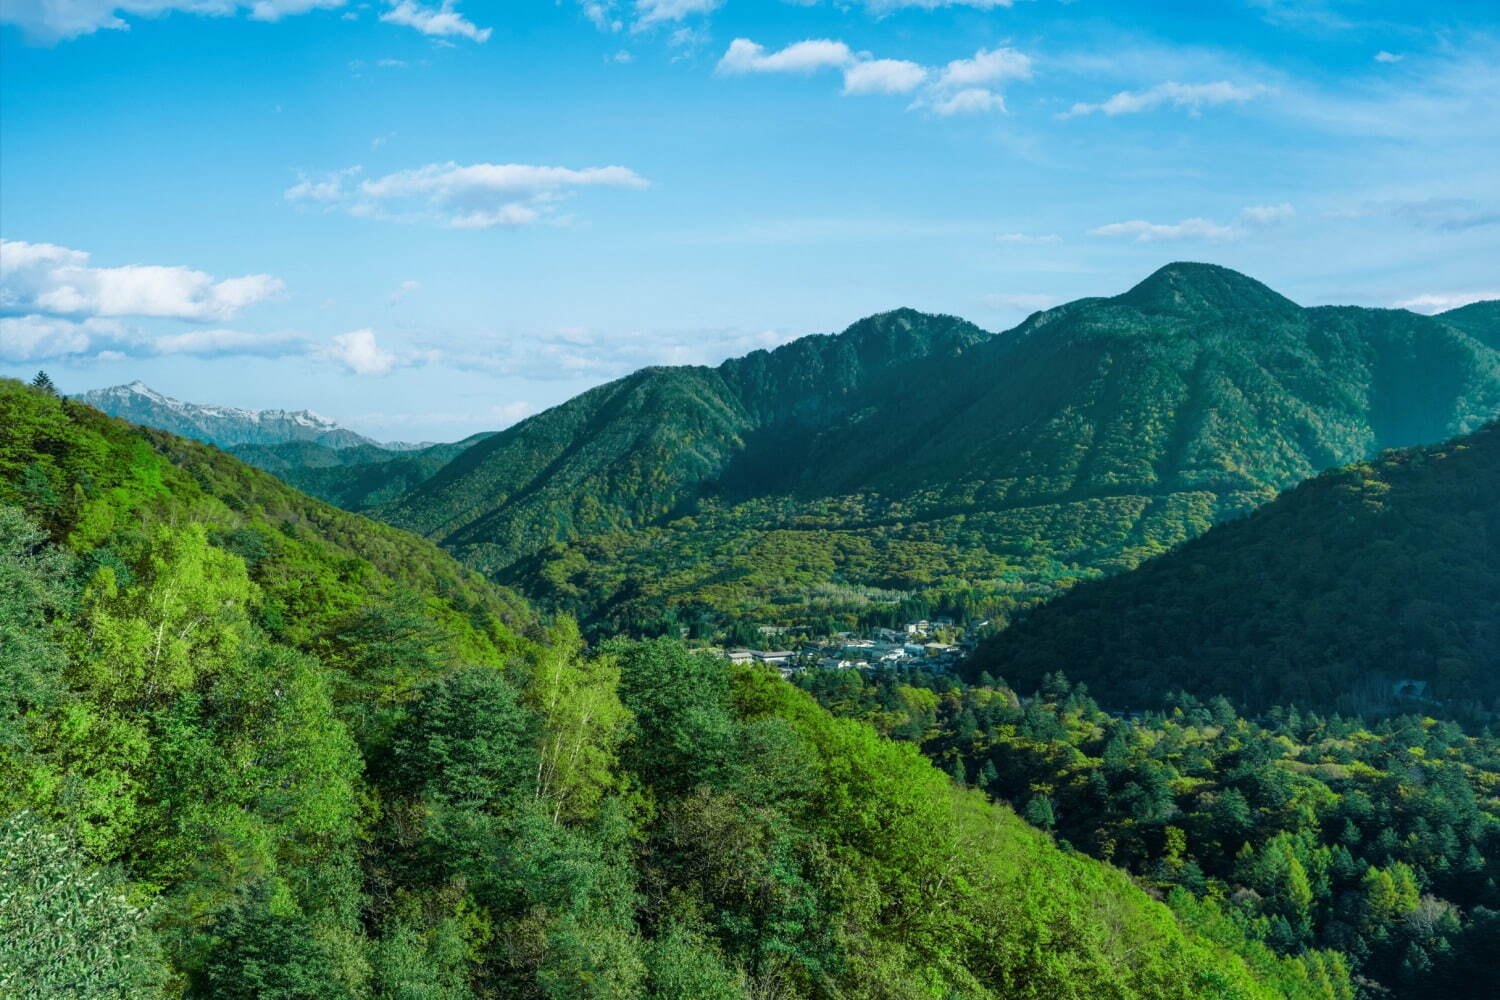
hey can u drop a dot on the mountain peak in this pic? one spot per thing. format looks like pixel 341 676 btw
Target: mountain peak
pixel 1189 286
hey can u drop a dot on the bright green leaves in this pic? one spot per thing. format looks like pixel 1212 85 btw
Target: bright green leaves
pixel 583 722
pixel 186 616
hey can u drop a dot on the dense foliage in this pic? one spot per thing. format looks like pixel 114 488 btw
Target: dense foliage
pixel 916 457
pixel 356 477
pixel 253 746
pixel 1364 585
pixel 1380 842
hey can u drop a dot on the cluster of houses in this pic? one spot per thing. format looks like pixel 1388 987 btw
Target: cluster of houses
pixel 916 644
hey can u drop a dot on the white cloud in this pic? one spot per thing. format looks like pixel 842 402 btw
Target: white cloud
pixel 744 56
pixel 358 351
pixel 1141 231
pixel 438 22
pixel 962 86
pixel 474 196
pixel 1388 57
pixel 1268 215
pixel 1191 96
pixel 55 20
pixel 328 188
pixel 883 76
pixel 57 281
pixel 987 66
pixel 623 57
pixel 404 289
pixel 1443 301
pixel 1025 239
pixel 652 12
pixel 967 102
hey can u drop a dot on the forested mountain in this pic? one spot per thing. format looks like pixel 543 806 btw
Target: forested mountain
pixel 627 454
pixel 357 477
pixel 1379 578
pixel 253 746
pixel 224 426
pixel 916 457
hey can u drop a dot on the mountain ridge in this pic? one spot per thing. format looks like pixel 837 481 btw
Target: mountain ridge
pixel 225 426
pixel 1087 438
pixel 1354 582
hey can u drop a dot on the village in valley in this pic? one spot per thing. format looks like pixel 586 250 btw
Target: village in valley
pixel 936 644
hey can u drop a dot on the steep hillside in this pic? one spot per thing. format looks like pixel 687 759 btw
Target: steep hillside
pixel 254 746
pixel 916 459
pixel 632 452
pixel 224 426
pixel 1378 576
pixel 1479 319
pixel 357 477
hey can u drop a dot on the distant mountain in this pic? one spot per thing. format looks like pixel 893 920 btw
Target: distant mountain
pixel 1363 585
pixel 356 477
pixel 224 426
pixel 918 458
pixel 1479 319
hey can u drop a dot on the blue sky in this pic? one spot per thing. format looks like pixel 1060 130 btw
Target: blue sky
pixel 427 220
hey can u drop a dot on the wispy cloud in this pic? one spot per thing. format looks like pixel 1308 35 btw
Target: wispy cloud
pixel 649 13
pixel 438 22
pixel 1269 215
pixel 583 354
pixel 36 337
pixel 1448 215
pixel 473 196
pixel 1191 97
pixel 49 21
pixel 1198 228
pixel 1141 231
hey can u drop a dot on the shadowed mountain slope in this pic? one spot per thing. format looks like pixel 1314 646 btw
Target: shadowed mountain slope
pixel 1332 596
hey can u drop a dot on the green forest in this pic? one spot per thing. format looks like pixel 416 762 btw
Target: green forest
pixel 1376 841
pixel 254 746
pixel 1373 578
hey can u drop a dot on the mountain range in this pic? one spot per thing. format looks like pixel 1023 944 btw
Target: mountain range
pixel 225 426
pixel 918 457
